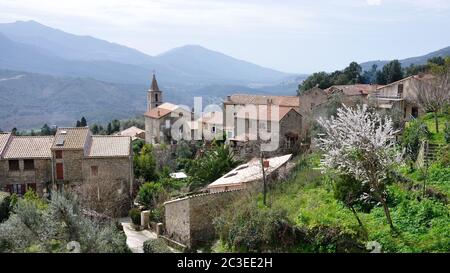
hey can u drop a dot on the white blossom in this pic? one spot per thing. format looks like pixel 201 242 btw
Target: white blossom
pixel 359 143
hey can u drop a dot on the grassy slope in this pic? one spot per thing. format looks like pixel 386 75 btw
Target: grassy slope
pixel 309 200
pixel 436 138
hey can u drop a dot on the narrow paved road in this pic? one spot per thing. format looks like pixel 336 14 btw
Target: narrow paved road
pixel 135 239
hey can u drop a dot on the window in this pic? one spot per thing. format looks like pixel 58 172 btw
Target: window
pixel 18 189
pixel 156 97
pixel 213 129
pixel 59 171
pixel 58 154
pixel 28 164
pixel 94 170
pixel 400 89
pixel 14 165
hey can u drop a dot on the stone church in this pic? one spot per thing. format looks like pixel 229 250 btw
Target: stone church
pixel 161 116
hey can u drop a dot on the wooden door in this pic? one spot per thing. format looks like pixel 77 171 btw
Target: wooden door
pixel 59 171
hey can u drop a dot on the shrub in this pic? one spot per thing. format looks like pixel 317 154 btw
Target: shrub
pixel 249 228
pixel 135 215
pixel 148 194
pixel 157 214
pixel 212 165
pixel 31 228
pixel 5 200
pixel 145 163
pixel 156 246
pixel 414 133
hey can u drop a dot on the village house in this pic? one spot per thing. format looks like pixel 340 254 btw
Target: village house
pixel 256 115
pixel 160 117
pixel 71 158
pixel 400 97
pixel 317 102
pixel 134 132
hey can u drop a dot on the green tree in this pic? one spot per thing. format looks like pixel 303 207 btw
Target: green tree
pixel 213 164
pixel 390 73
pixel 109 129
pixel 412 137
pixel 370 76
pixel 353 73
pixel 349 191
pixel 95 129
pixel 320 79
pixel 45 130
pixel 145 164
pixel 115 126
pixel 83 122
pixel 149 193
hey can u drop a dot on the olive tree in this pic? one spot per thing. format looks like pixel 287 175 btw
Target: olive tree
pixel 361 144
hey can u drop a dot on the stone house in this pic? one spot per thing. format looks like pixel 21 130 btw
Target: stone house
pixel 249 119
pixel 25 163
pixel 71 158
pixel 399 97
pixel 161 117
pixel 316 102
pixel 211 124
pixel 352 94
pixel 134 132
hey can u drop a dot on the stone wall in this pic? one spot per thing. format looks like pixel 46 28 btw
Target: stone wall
pixel 189 220
pixel 72 164
pixel 41 174
pixel 291 124
pixel 114 170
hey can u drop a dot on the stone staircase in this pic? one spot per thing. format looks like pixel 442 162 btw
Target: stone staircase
pixel 431 152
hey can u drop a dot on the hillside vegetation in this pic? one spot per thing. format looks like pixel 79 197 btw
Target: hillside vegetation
pixel 306 212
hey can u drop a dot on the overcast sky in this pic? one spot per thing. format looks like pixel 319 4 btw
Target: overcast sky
pixel 289 35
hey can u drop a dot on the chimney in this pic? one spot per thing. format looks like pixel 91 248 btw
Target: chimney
pixel 266 163
pixel 228 98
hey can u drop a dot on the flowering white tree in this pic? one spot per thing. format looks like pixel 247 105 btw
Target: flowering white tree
pixel 361 144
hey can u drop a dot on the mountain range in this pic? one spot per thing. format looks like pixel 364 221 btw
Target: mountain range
pixel 409 61
pixel 33 47
pixel 51 76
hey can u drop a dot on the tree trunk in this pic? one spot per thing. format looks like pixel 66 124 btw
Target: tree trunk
pixel 436 121
pixel 387 213
pixel 356 216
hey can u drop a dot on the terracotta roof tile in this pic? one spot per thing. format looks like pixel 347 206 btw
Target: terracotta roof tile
pixel 71 138
pixel 29 147
pixel 110 146
pixel 290 101
pixel 133 132
pixel 353 89
pixel 157 113
pixel 4 137
pixel 282 111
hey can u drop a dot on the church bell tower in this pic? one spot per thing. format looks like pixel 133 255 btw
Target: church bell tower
pixel 154 95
